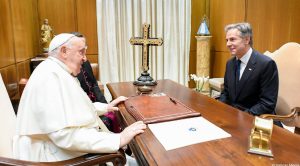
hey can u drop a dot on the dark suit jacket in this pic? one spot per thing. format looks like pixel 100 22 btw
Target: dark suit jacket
pixel 257 89
pixel 89 83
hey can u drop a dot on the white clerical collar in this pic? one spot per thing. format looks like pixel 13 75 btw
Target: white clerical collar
pixel 245 58
pixel 61 64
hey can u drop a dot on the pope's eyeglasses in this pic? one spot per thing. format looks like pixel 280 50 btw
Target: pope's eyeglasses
pixel 83 51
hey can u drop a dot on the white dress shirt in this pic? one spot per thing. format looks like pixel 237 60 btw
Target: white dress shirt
pixel 244 61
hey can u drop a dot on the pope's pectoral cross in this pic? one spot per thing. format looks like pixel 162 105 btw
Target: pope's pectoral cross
pixel 146 41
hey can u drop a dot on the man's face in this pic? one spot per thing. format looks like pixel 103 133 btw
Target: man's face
pixel 75 55
pixel 237 45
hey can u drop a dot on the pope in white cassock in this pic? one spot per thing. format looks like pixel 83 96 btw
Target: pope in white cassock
pixel 56 120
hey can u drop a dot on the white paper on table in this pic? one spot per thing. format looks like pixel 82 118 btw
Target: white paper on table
pixel 184 132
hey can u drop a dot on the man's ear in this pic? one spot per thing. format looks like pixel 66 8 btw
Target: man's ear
pixel 247 40
pixel 63 51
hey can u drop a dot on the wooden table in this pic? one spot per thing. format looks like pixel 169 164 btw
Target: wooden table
pixel 228 151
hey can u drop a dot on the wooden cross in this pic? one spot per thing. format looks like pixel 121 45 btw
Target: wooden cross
pixel 146 41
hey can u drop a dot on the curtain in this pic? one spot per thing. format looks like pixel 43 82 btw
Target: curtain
pixel 119 20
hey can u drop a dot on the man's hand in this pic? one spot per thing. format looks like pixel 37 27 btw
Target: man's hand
pixel 112 105
pixel 129 132
pixel 118 100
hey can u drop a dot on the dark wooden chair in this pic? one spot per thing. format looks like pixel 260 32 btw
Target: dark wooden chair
pixel 86 160
pixel 7 130
pixel 290 117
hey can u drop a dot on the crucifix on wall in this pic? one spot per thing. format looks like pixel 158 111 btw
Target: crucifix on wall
pixel 145 41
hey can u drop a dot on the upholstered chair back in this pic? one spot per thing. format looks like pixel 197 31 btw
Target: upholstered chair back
pixel 7 122
pixel 287 59
pixel 95 68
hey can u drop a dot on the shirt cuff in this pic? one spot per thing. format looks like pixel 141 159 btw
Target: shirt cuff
pixel 101 108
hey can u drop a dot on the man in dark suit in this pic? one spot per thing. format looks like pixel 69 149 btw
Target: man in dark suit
pixel 251 79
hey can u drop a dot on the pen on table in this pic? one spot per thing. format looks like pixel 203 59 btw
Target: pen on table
pixel 172 100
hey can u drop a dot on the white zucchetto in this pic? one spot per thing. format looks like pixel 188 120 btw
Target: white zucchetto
pixel 59 40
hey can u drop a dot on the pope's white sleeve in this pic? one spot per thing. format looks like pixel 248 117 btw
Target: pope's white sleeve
pixel 86 140
pixel 101 108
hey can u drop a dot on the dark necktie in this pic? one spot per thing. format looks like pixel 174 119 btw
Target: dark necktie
pixel 237 71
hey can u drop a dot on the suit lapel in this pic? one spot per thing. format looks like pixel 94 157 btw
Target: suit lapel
pixel 247 72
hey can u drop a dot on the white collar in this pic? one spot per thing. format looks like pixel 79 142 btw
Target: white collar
pixel 245 58
pixel 60 63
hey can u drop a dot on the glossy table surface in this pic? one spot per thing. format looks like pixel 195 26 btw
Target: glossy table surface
pixel 228 151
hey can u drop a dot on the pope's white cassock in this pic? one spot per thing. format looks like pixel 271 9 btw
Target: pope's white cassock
pixel 56 119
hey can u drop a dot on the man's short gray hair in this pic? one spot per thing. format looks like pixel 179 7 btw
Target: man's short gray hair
pixel 244 28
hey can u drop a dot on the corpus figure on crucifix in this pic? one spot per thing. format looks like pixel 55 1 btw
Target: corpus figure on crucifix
pixel 146 41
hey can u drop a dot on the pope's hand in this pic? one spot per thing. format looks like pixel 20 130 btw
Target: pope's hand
pixel 111 108
pixel 129 132
pixel 118 100
pixel 112 105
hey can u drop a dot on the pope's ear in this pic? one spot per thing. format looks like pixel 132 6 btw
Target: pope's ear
pixel 63 50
